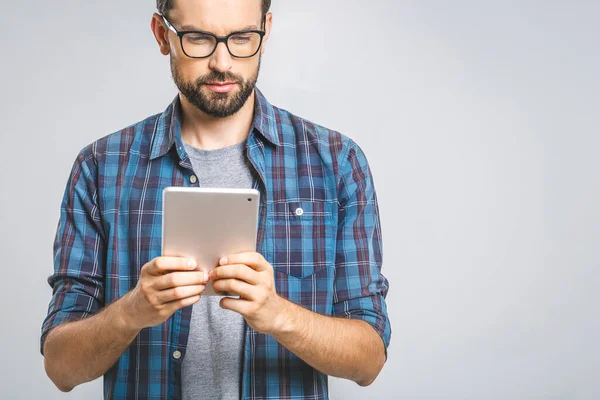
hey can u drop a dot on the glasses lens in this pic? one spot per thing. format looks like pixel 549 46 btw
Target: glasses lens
pixel 244 44
pixel 198 44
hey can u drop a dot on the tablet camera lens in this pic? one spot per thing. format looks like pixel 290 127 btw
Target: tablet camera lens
pixel 249 199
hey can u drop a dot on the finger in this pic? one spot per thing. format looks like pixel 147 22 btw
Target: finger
pixel 252 259
pixel 175 279
pixel 240 306
pixel 162 265
pixel 235 271
pixel 180 292
pixel 245 290
pixel 175 305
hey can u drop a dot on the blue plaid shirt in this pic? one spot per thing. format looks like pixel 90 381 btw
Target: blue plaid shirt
pixel 327 259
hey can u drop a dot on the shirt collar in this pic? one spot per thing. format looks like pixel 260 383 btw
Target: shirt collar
pixel 167 129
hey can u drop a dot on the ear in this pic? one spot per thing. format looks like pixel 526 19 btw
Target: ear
pixel 268 25
pixel 161 33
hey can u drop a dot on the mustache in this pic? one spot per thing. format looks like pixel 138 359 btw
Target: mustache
pixel 217 76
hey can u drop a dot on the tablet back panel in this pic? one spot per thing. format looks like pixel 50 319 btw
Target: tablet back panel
pixel 207 224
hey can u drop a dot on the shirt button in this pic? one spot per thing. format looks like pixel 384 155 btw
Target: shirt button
pixel 177 354
pixel 193 179
pixel 299 212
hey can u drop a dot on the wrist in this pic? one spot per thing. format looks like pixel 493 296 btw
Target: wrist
pixel 125 315
pixel 284 321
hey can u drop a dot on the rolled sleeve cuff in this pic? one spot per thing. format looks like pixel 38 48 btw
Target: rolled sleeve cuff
pixel 372 310
pixel 67 307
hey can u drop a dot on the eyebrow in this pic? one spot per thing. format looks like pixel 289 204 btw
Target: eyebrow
pixel 195 28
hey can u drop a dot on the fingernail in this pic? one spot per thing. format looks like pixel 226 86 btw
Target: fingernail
pixel 206 277
pixel 223 261
pixel 191 263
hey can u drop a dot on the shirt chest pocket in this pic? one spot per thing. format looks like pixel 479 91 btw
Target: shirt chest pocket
pixel 302 237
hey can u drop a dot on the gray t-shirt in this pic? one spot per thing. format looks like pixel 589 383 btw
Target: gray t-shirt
pixel 212 363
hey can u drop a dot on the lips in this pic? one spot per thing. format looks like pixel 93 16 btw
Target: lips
pixel 221 87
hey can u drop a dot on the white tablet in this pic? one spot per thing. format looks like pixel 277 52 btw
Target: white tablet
pixel 207 224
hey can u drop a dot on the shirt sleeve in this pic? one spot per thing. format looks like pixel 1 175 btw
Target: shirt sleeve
pixel 79 250
pixel 359 286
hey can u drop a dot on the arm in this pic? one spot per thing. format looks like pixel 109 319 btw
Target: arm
pixel 80 339
pixel 79 261
pixel 353 343
pixel 344 348
pixel 81 351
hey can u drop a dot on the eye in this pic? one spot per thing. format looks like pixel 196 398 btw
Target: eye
pixel 241 38
pixel 198 38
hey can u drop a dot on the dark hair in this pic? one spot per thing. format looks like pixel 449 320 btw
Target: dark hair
pixel 165 5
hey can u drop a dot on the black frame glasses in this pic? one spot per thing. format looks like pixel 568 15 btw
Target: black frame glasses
pixel 218 39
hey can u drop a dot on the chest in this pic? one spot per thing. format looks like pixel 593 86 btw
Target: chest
pixel 297 230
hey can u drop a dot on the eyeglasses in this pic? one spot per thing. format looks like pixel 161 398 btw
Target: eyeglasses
pixel 200 44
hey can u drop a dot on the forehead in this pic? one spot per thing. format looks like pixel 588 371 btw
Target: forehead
pixel 218 16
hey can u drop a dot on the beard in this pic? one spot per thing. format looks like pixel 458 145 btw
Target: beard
pixel 217 105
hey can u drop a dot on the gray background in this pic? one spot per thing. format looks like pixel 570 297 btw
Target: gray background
pixel 480 121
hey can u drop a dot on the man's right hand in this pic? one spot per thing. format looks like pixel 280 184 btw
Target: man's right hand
pixel 166 284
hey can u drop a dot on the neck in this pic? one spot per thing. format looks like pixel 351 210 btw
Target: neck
pixel 209 133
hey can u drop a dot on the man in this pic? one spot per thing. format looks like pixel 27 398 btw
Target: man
pixel 312 298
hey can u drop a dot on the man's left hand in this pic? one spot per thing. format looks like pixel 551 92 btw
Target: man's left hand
pixel 252 277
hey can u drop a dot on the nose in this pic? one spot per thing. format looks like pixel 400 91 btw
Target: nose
pixel 220 60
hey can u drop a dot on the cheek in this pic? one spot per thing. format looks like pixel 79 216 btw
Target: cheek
pixel 190 70
pixel 248 69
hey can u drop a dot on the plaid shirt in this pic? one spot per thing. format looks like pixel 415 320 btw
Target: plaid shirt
pixel 326 258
